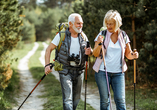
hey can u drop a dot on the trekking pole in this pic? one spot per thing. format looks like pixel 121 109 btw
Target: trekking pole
pixel 134 78
pixel 86 77
pixel 109 94
pixel 35 86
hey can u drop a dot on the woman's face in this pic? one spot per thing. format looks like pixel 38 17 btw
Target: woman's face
pixel 110 24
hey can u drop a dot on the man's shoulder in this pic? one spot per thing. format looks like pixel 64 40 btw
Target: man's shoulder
pixel 84 36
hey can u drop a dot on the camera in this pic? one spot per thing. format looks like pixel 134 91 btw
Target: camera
pixel 74 58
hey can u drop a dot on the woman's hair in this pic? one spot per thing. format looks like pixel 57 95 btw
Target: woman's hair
pixel 111 14
pixel 72 16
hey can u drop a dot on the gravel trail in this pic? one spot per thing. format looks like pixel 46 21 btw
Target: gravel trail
pixel 28 83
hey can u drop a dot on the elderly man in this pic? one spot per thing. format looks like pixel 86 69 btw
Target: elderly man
pixel 73 47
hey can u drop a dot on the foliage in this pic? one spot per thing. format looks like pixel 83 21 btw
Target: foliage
pixel 136 16
pixel 148 54
pixel 3 103
pixel 66 11
pixel 28 32
pixel 9 36
pixel 5 76
pixel 48 22
pixel 44 22
pixel 6 96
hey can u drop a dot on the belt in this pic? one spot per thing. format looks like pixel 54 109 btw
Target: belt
pixel 74 68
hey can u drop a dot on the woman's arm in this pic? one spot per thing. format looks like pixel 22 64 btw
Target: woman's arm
pixel 97 49
pixel 98 46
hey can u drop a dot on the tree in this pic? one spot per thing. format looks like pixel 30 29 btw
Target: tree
pixel 148 52
pixel 137 16
pixel 48 23
pixel 9 34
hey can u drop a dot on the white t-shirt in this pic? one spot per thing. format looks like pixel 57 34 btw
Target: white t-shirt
pixel 113 56
pixel 74 46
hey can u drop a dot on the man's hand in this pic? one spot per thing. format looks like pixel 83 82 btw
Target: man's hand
pixel 47 70
pixel 88 51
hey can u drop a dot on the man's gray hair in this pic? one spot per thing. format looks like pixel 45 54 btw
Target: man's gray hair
pixel 111 14
pixel 72 16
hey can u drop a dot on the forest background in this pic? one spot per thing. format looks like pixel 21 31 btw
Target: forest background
pixel 28 21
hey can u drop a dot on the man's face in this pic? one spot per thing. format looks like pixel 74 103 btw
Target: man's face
pixel 78 24
pixel 110 24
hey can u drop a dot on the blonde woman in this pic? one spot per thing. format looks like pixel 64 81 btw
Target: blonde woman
pixel 115 46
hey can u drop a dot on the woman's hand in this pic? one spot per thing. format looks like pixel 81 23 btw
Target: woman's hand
pixel 100 39
pixel 135 54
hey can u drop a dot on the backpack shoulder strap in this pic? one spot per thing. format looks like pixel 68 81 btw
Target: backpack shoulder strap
pixel 83 35
pixel 62 37
pixel 104 36
pixel 104 33
pixel 61 31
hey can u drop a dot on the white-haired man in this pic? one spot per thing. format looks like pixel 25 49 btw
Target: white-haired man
pixel 72 55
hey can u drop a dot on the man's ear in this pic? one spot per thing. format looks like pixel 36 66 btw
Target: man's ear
pixel 70 24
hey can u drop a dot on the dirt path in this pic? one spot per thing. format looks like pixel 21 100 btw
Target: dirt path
pixel 28 83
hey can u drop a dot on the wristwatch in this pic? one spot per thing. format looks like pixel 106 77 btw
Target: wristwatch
pixel 100 44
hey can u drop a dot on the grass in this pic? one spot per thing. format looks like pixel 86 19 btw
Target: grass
pixel 145 98
pixel 14 85
pixel 52 86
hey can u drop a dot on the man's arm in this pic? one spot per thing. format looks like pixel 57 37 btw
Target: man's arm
pixel 47 57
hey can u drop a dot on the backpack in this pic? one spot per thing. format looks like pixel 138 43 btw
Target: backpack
pixel 104 31
pixel 60 28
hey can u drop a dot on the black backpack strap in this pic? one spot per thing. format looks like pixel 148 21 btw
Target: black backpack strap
pixel 104 34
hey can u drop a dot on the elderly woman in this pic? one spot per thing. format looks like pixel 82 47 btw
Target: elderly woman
pixel 114 46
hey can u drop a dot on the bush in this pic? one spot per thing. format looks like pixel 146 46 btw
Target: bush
pixel 9 36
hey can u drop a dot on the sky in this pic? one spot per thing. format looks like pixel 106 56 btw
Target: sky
pixel 39 1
